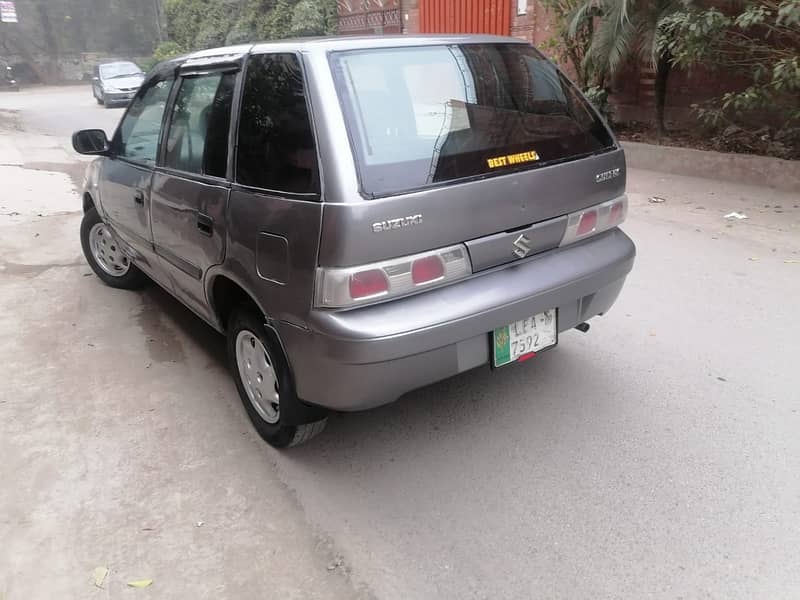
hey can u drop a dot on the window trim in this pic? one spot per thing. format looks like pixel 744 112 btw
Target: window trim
pixel 239 99
pixel 160 165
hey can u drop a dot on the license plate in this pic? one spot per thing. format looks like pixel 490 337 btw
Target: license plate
pixel 523 339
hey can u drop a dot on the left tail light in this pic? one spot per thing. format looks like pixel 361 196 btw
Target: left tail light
pixel 351 286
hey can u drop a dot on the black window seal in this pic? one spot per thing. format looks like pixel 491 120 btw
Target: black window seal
pixel 250 189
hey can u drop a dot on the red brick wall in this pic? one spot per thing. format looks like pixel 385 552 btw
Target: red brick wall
pixel 634 92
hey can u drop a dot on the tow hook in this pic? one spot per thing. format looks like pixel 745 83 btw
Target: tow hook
pixel 583 327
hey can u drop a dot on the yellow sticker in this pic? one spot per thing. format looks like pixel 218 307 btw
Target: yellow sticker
pixel 512 159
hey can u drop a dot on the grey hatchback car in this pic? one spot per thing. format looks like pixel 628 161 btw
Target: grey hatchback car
pixel 362 216
pixel 116 82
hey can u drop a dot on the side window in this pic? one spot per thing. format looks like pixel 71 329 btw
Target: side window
pixel 276 145
pixel 198 132
pixel 137 138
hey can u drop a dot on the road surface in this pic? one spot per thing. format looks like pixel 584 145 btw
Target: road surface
pixel 656 456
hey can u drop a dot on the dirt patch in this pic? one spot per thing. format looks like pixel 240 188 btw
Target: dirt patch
pixel 163 344
pixel 10 121
pixel 33 270
pixel 764 141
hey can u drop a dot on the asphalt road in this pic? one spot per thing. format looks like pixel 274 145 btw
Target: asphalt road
pixel 656 456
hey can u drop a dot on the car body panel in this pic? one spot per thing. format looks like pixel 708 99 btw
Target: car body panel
pixel 495 204
pixel 120 183
pixel 250 216
pixel 369 356
pixel 189 231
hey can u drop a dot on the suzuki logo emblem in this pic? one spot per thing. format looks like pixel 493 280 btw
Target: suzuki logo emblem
pixel 522 246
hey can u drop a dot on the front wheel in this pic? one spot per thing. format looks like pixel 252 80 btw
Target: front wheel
pixel 105 255
pixel 264 382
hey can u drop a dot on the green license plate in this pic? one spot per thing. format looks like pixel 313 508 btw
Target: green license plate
pixel 523 339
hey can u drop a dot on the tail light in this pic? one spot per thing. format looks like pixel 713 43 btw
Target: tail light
pixel 342 287
pixel 594 220
pixel 368 284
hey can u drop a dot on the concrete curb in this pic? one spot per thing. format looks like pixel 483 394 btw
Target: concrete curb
pixel 764 171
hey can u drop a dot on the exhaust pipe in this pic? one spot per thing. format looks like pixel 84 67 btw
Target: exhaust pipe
pixel 583 327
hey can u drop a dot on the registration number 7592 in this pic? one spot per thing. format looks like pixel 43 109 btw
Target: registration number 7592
pixel 523 339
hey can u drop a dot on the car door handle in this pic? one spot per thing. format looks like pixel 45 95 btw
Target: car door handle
pixel 138 197
pixel 205 224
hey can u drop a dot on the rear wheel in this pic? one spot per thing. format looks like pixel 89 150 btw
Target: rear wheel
pixel 263 380
pixel 105 255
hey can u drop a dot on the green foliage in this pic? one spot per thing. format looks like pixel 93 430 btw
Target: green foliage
pixel 760 41
pixel 164 51
pixel 167 50
pixel 623 29
pixel 598 96
pixel 572 37
pixel 194 24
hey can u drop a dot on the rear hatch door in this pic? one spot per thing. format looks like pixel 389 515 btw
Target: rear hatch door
pixel 464 143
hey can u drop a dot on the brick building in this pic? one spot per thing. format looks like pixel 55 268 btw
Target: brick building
pixel 634 95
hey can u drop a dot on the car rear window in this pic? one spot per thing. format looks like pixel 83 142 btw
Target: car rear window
pixel 421 116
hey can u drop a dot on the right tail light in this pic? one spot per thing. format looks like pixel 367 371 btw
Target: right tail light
pixel 597 219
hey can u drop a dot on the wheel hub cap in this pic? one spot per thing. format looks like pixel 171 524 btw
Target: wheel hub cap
pixel 107 252
pixel 258 376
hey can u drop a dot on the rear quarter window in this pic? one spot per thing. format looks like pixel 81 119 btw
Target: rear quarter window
pixel 276 149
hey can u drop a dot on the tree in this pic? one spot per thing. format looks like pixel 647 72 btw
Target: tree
pixel 49 30
pixel 626 29
pixel 195 24
pixel 571 44
pixel 758 40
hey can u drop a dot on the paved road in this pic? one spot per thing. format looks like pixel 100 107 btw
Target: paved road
pixel 656 456
pixel 59 111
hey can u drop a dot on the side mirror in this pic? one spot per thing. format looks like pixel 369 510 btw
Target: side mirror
pixel 91 141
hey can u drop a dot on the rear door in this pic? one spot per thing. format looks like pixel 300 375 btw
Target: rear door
pixel 125 184
pixel 190 186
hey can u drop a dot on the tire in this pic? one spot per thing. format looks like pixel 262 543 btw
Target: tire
pixel 99 100
pixel 93 231
pixel 104 101
pixel 247 338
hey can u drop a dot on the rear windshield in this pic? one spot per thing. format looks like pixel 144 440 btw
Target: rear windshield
pixel 425 115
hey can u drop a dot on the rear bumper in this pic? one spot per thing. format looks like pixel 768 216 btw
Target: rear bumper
pixel 361 358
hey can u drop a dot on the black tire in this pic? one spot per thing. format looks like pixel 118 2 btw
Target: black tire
pixel 278 434
pixel 99 100
pixel 132 279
